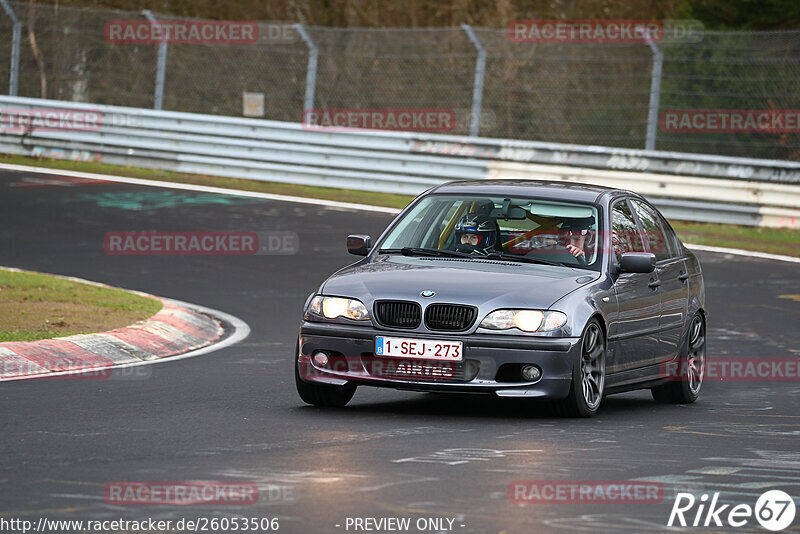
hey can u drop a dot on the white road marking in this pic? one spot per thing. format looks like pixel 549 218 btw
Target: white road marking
pixel 198 188
pixel 312 201
pixel 463 456
pixel 738 252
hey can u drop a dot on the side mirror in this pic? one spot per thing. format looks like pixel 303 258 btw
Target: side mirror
pixel 637 262
pixel 358 244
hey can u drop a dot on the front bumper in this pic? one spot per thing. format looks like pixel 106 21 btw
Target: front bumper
pixel 489 362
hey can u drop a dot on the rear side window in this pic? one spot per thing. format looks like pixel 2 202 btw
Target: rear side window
pixel 625 236
pixel 662 247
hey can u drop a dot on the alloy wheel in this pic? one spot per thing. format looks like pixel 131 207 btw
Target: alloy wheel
pixel 593 366
pixel 696 355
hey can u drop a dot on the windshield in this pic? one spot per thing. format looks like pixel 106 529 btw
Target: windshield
pixel 509 229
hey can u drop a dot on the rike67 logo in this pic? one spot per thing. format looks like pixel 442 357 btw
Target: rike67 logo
pixel 774 510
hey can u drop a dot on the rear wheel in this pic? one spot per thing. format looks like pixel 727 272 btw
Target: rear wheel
pixel 686 387
pixel 588 375
pixel 320 394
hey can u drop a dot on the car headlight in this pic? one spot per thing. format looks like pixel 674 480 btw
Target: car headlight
pixel 525 320
pixel 334 307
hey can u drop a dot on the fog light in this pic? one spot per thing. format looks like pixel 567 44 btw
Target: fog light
pixel 320 359
pixel 531 373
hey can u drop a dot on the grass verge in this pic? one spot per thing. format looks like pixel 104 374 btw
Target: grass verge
pixel 39 306
pixel 773 240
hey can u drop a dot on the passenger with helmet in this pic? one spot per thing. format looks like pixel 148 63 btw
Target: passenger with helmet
pixel 478 232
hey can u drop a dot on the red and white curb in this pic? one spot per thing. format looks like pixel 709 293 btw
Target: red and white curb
pixel 180 330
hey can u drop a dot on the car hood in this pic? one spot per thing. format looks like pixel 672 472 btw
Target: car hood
pixel 482 283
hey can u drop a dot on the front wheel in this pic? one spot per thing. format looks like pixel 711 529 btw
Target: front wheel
pixel 685 388
pixel 588 375
pixel 320 394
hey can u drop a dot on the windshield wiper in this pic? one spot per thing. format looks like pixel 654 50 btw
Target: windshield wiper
pixel 419 251
pixel 522 259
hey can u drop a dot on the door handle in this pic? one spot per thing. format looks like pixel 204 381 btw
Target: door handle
pixel 683 276
pixel 654 283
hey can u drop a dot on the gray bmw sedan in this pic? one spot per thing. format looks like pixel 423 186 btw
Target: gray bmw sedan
pixel 512 288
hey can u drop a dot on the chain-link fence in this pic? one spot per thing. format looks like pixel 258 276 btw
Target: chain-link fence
pixel 598 94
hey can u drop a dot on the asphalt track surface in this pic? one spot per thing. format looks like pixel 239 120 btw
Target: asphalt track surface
pixel 234 415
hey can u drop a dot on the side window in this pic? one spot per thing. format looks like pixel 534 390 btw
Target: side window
pixel 673 242
pixel 672 238
pixel 417 225
pixel 436 233
pixel 653 229
pixel 625 236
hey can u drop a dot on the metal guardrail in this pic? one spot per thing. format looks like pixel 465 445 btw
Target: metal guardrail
pixel 685 186
pixel 622 159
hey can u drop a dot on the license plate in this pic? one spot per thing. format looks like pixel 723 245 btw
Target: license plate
pixel 428 349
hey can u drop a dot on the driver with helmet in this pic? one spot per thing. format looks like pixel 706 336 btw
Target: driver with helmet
pixel 477 232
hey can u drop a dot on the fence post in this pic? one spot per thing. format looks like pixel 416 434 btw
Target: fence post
pixel 477 89
pixel 311 73
pixel 161 69
pixel 16 37
pixel 655 94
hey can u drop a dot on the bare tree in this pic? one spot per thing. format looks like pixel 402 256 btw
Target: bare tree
pixel 37 53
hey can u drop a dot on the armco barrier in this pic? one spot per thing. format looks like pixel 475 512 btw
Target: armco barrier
pixel 685 186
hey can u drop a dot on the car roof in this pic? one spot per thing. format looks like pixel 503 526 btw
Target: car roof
pixel 539 188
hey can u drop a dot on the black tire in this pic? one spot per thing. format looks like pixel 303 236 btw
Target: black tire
pixel 590 372
pixel 321 394
pixel 691 365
